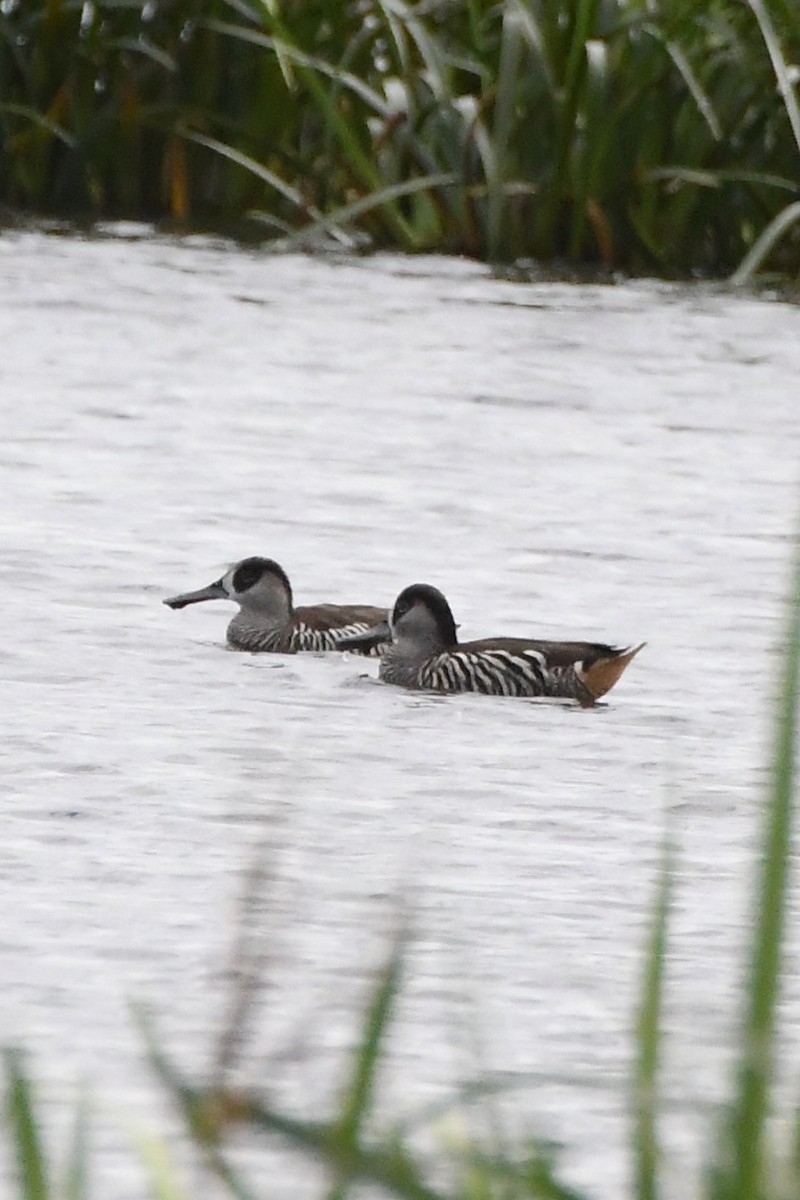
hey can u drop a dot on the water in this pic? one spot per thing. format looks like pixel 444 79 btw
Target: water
pixel 617 463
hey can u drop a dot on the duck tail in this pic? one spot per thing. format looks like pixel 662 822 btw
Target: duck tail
pixel 600 676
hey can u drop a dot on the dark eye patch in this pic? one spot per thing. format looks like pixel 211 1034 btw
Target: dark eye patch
pixel 248 573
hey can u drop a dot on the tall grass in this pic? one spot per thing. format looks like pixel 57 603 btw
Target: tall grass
pixel 746 1169
pixel 654 135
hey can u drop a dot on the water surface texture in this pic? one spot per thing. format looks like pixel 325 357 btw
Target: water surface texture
pixel 606 462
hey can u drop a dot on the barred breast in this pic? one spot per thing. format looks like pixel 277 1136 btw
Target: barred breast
pixel 305 637
pixel 242 636
pixel 491 672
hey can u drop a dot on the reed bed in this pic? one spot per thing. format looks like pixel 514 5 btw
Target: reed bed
pixel 646 135
pixel 748 1162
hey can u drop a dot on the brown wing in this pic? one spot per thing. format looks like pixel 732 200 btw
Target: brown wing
pixel 335 616
pixel 557 654
pixel 596 665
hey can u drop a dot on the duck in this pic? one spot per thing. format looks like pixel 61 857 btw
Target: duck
pixel 268 622
pixel 426 655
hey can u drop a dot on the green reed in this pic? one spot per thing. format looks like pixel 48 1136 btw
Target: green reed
pixel 747 1161
pixel 651 136
pixel 37 1179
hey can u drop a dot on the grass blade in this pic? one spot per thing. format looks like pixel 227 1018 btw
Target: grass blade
pixel 161 1173
pixel 341 216
pixel 390 1167
pixel 648 1040
pixel 359 1093
pixel 205 1113
pixel 704 105
pixel 765 242
pixel 31 1162
pixel 716 178
pixel 595 117
pixel 140 45
pixel 249 164
pixel 745 1168
pixel 281 45
pixel 267 176
pixel 582 26
pixel 778 65
pixel 208 1113
pixel 507 86
pixel 76 1181
pixel 39 119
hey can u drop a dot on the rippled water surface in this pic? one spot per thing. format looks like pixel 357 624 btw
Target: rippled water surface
pixel 608 462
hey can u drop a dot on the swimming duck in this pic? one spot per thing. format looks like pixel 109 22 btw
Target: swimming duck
pixel 425 654
pixel 267 620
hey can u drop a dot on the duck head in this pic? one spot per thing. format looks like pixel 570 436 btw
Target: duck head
pixel 257 584
pixel 421 624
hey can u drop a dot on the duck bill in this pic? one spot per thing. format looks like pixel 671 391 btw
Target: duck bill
pixel 366 641
pixel 214 591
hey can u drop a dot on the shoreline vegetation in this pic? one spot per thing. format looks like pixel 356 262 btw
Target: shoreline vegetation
pixel 750 1158
pixel 655 137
